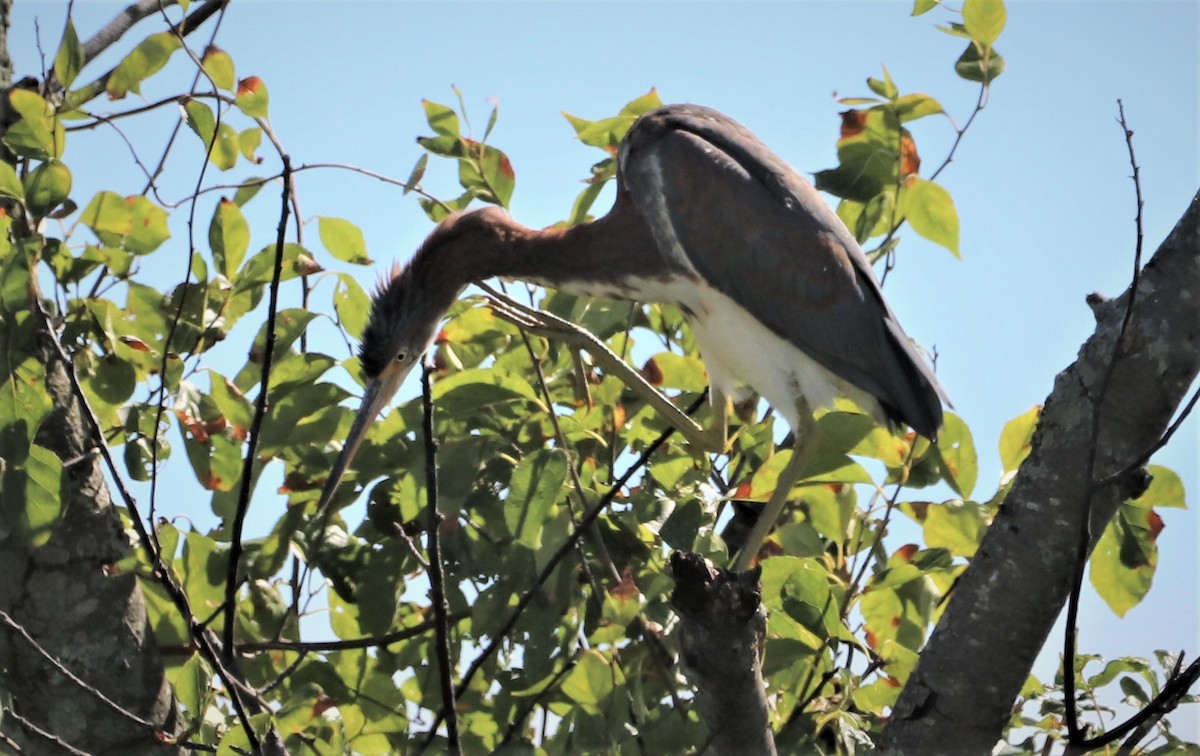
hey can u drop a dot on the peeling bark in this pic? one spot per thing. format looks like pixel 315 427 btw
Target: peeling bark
pixel 960 695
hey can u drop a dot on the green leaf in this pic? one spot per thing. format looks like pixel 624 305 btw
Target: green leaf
pixel 591 681
pixel 418 171
pixel 642 105
pixel 203 570
pixel 248 142
pixel 921 7
pixel 200 119
pixel 32 496
pixel 219 67
pixel 930 210
pixel 1166 489
pixel 39 133
pixel 684 372
pixel 47 187
pixel 252 97
pixel 225 150
pixel 867 155
pixel 442 120
pixel 352 305
pixel 955 525
pixel 1016 437
pixel 10 183
pixel 957 449
pixel 69 58
pixel 471 390
pixel 151 54
pixel 344 240
pixel 109 216
pixel 193 685
pixel 228 237
pixel 981 66
pixel 1123 564
pixel 536 484
pixel 984 20
pixel 885 88
pixel 498 173
pixel 149 226
pixel 910 107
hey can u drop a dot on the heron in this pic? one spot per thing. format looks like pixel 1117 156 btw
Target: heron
pixel 779 296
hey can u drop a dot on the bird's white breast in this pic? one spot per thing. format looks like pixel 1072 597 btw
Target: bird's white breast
pixel 738 350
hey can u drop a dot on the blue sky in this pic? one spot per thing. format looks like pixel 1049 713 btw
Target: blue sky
pixel 1040 182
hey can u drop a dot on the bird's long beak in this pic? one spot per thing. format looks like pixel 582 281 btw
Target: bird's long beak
pixel 377 396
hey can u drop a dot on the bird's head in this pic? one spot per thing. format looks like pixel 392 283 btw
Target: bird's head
pixel 406 311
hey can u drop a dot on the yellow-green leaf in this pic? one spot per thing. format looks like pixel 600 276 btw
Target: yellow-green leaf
pixel 984 20
pixel 1016 437
pixel 47 186
pixel 442 119
pixel 591 681
pixel 219 67
pixel 38 134
pixel 10 183
pixel 1166 489
pixel 344 240
pixel 228 237
pixel 352 305
pixel 930 210
pixel 69 58
pixel 151 54
pixel 149 225
pixel 32 496
pixel 536 484
pixel 252 97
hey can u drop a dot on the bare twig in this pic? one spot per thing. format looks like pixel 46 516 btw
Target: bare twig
pixel 380 641
pixel 260 412
pixel 1071 715
pixel 437 580
pixel 47 736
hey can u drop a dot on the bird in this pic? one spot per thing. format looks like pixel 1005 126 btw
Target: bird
pixel 779 296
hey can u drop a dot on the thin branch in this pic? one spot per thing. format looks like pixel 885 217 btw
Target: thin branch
pixel 47 736
pixel 437 580
pixel 1162 441
pixel 380 641
pixel 260 413
pixel 1071 715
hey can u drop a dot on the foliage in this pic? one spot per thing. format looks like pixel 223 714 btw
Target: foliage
pixel 527 440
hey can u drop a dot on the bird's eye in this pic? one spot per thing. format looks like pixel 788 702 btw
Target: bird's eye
pixel 401 357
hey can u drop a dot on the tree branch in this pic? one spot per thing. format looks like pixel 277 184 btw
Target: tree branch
pixel 1007 600
pixel 437 581
pixel 722 627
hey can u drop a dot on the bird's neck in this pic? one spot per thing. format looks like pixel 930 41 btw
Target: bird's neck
pixel 597 254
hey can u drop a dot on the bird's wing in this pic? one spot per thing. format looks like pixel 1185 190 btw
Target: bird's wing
pixel 755 230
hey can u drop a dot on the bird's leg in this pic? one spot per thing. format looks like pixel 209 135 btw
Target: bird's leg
pixel 802 451
pixel 551 326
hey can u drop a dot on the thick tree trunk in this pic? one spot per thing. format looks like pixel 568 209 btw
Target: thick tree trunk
pixel 960 696
pixel 88 619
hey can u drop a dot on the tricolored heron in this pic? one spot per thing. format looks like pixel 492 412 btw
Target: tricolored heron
pixel 777 291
